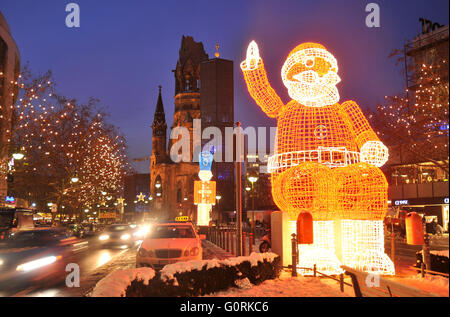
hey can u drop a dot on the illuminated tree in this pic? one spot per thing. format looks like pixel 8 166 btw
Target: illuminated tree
pixel 62 138
pixel 419 121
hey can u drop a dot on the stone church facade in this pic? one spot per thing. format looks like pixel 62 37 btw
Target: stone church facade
pixel 172 184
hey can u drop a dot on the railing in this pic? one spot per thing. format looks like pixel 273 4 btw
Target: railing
pixel 423 271
pixel 225 238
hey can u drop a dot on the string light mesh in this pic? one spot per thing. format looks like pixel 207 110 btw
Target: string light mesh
pixel 310 74
pixel 326 157
pixel 321 252
pixel 260 89
pixel 375 153
pixel 359 192
pixel 363 246
pixel 303 188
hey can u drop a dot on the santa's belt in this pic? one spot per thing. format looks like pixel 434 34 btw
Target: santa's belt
pixel 329 156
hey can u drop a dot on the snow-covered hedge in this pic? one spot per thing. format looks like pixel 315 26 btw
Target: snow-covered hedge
pixel 196 278
pixel 115 283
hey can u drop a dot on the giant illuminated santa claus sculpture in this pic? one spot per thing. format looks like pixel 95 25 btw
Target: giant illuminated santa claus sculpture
pixel 326 161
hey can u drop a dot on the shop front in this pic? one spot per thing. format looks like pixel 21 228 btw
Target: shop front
pixel 434 209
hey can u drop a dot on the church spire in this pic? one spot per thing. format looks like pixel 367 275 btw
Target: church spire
pixel 159 117
pixel 159 128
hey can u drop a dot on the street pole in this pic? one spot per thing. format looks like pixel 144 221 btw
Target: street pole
pixel 426 248
pixel 238 168
pixel 253 213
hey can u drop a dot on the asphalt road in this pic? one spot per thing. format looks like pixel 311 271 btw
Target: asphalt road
pixel 94 263
pixel 90 258
pixel 405 255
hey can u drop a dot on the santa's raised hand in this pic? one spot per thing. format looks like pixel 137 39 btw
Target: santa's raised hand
pixel 252 58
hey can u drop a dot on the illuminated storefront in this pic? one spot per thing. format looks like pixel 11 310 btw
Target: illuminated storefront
pixel 431 208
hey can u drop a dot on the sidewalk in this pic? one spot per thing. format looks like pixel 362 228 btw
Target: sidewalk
pixel 212 251
pixel 125 260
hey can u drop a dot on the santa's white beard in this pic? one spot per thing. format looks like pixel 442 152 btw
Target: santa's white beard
pixel 315 95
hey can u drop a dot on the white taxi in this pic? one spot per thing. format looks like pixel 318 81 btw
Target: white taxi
pixel 167 243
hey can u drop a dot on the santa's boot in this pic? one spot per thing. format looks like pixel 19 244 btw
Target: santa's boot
pixel 363 246
pixel 321 253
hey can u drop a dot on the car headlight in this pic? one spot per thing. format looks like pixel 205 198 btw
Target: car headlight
pixel 32 265
pixel 142 232
pixel 186 253
pixel 1 262
pixel 103 237
pixel 194 251
pixel 125 236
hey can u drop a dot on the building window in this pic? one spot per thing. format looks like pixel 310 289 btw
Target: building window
pixel 179 195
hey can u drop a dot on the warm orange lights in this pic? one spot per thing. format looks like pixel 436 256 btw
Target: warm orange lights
pixel 326 160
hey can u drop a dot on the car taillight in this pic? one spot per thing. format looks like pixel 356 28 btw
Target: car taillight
pixel 194 251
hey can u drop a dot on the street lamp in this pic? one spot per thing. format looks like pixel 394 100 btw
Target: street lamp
pixel 75 178
pixel 252 179
pixel 218 197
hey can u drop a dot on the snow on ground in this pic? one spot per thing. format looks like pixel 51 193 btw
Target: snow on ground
pixel 430 283
pixel 170 270
pixel 440 253
pixel 287 286
pixel 115 284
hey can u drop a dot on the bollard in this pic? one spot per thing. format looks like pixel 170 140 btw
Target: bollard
pixel 218 237
pixel 227 245
pixel 250 243
pixel 341 281
pixel 422 269
pixel 294 254
pixel 426 252
pixel 232 242
pixel 243 243
pixel 315 270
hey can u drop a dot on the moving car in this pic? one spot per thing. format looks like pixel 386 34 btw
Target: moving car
pixel 38 255
pixel 77 230
pixel 117 235
pixel 167 243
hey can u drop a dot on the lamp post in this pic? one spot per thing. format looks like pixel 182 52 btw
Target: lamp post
pixel 238 169
pixel 218 197
pixel 253 180
pixel 18 154
pixel 75 178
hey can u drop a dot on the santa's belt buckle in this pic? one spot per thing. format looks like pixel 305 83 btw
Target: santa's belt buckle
pixel 329 156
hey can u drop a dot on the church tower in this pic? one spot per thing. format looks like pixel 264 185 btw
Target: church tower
pixel 187 85
pixel 159 127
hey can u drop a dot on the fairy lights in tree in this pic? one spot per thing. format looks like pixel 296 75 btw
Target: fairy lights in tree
pixel 326 161
pixel 419 121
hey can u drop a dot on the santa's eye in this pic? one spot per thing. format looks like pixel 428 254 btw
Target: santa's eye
pixel 309 62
